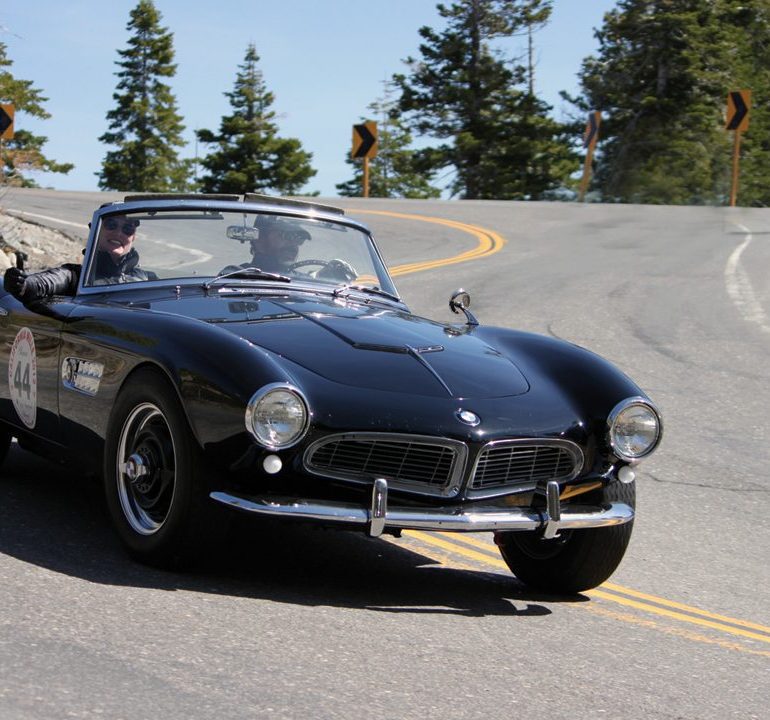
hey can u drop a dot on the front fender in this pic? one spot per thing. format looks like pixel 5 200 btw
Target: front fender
pixel 213 371
pixel 591 383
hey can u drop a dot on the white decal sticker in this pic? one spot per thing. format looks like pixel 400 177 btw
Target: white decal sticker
pixel 81 375
pixel 22 377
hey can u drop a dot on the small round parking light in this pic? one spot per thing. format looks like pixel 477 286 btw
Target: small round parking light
pixel 272 464
pixel 626 475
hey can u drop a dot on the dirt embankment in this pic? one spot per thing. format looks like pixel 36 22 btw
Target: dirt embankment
pixel 43 246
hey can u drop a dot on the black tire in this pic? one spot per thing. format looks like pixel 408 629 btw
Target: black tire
pixel 577 560
pixel 155 479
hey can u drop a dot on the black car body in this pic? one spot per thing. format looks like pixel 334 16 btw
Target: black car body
pixel 315 394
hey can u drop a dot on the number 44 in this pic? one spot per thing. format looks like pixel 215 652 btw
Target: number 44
pixel 21 383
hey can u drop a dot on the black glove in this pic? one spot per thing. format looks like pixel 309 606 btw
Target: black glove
pixel 14 281
pixel 338 270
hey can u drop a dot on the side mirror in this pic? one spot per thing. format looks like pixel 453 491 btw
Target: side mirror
pixel 460 301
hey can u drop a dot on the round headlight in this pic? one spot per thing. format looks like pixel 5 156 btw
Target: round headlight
pixel 277 416
pixel 634 429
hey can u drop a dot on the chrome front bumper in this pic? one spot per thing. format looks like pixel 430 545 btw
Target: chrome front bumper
pixel 474 518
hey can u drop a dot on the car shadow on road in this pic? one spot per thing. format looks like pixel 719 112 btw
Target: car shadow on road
pixel 51 518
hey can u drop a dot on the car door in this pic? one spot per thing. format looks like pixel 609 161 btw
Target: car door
pixel 30 372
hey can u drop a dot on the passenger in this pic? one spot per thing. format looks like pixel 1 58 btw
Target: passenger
pixel 116 261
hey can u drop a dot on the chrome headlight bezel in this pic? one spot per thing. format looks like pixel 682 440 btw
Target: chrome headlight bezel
pixel 263 395
pixel 615 418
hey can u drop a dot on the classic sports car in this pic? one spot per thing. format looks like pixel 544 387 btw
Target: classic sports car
pixel 303 388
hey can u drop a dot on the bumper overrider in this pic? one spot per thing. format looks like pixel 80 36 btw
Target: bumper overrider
pixel 477 517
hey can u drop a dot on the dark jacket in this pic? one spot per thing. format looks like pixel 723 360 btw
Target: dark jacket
pixel 63 280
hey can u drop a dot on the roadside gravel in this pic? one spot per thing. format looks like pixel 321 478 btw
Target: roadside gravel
pixel 43 246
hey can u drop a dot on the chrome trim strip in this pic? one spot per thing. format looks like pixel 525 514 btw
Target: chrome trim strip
pixel 460 519
pixel 415 353
pixel 456 477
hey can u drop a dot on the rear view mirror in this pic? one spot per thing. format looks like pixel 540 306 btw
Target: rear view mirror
pixel 242 233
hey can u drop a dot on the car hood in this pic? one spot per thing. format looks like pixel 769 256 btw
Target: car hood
pixel 376 347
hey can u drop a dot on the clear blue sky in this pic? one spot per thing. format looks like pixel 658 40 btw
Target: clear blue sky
pixel 325 61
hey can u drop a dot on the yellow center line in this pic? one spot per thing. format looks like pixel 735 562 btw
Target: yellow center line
pixel 604 591
pixel 682 606
pixel 686 633
pixel 448 545
pixel 677 615
pixel 489 242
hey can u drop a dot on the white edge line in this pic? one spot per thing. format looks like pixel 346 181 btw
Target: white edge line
pixel 21 214
pixel 739 286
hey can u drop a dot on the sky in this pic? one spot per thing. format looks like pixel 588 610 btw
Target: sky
pixel 324 60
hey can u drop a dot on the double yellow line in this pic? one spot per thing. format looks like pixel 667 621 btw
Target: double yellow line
pixel 469 547
pixel 488 242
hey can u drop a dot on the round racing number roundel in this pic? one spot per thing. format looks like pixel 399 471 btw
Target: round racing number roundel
pixel 22 376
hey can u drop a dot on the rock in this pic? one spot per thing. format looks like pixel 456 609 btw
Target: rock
pixel 43 246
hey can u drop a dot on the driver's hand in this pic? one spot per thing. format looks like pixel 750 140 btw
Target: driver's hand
pixel 338 270
pixel 14 280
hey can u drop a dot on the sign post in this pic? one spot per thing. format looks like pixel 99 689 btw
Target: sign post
pixel 365 146
pixel 590 138
pixel 738 107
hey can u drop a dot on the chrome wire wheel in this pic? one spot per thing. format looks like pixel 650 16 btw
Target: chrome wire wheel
pixel 145 469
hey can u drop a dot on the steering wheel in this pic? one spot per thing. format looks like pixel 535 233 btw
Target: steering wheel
pixel 305 263
pixel 336 270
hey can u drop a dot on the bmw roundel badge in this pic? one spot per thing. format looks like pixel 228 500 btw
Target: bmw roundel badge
pixel 468 417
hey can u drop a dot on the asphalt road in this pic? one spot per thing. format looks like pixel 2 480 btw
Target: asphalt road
pixel 293 623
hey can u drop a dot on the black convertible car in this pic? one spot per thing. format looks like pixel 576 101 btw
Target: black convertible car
pixel 263 362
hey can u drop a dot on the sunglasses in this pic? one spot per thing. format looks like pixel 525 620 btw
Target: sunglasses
pixel 293 236
pixel 127 227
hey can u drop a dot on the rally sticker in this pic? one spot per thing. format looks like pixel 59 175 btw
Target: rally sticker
pixel 22 377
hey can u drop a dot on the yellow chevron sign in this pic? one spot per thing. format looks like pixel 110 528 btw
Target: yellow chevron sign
pixel 6 122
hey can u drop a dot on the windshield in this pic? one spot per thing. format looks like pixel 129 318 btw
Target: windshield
pixel 227 247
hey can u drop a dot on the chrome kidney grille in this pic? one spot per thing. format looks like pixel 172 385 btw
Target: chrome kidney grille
pixel 435 466
pixel 522 464
pixel 426 465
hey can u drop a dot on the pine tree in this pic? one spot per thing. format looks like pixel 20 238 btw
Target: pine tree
pixel 660 79
pixel 249 155
pixel 748 26
pixel 144 125
pixel 397 170
pixel 497 135
pixel 24 151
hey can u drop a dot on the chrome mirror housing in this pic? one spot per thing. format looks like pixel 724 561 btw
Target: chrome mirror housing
pixel 460 301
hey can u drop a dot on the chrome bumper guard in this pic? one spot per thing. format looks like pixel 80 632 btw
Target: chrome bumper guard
pixel 476 518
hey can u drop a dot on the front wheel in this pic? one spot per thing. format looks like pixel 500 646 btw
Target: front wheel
pixel 577 560
pixel 155 484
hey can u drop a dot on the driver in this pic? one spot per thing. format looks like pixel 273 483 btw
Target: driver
pixel 276 249
pixel 278 244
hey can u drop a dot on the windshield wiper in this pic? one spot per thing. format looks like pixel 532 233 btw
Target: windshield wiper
pixel 338 291
pixel 247 273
